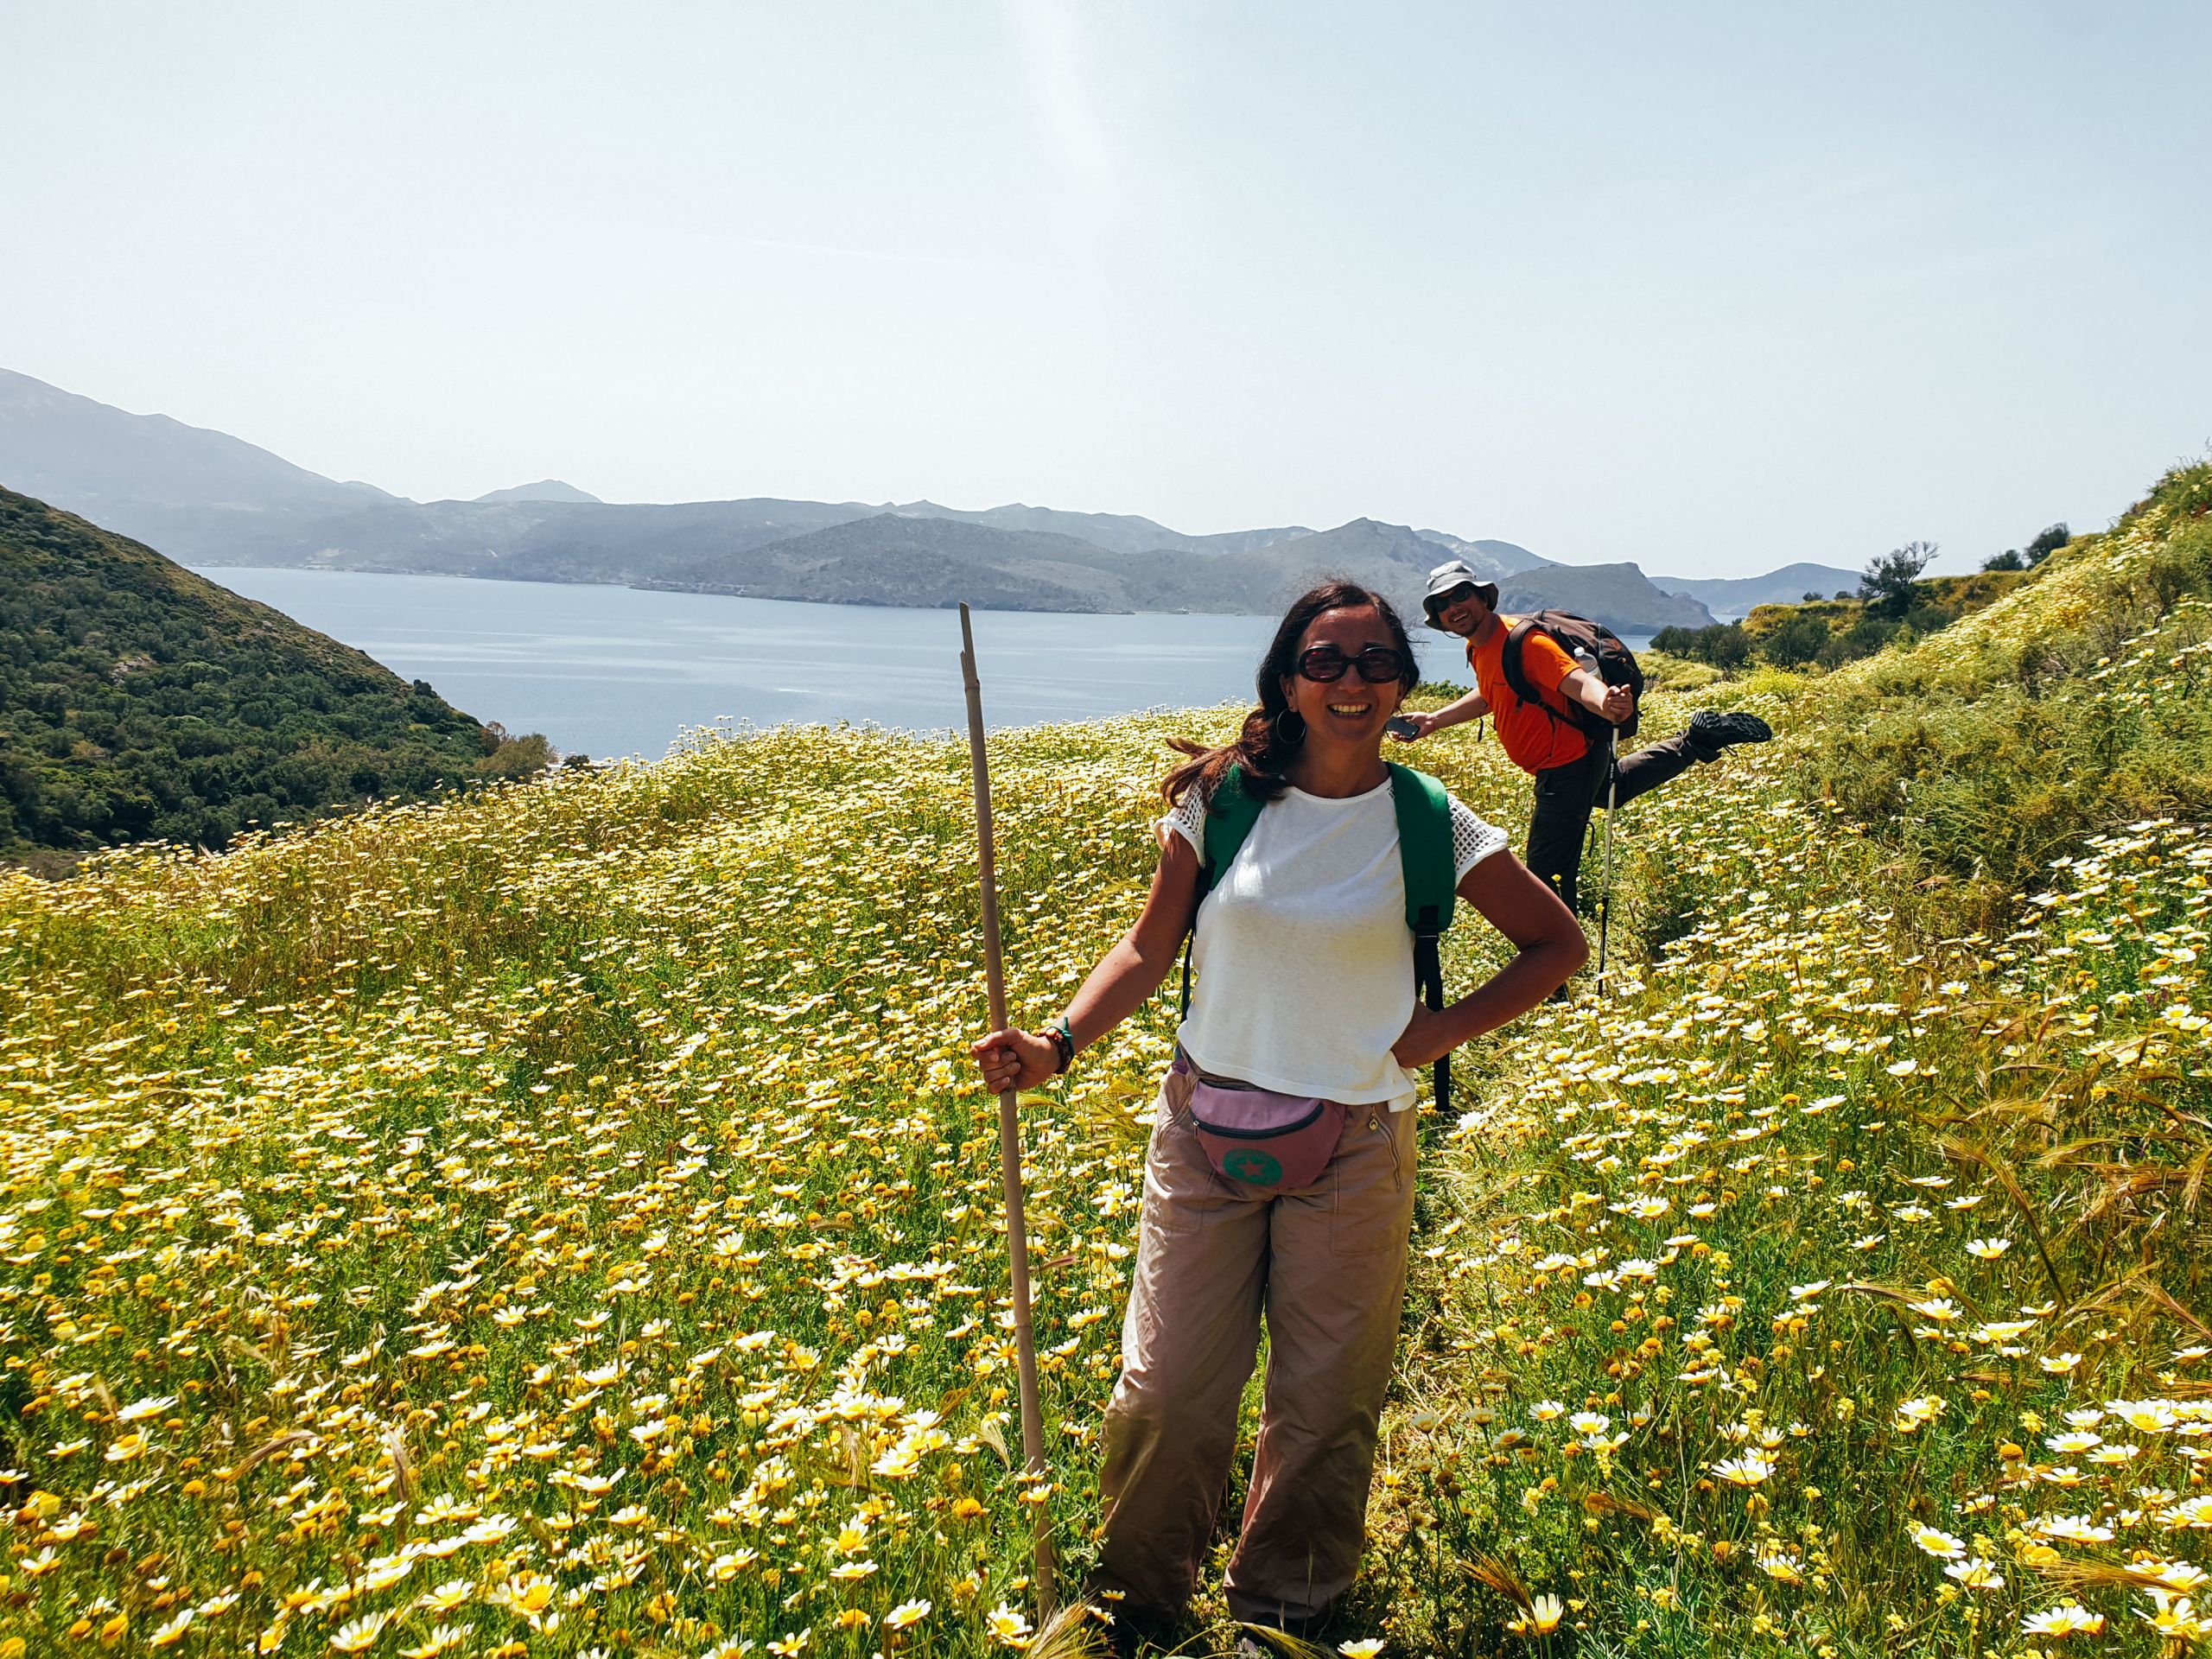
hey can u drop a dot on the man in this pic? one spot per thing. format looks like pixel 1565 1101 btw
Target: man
pixel 1542 738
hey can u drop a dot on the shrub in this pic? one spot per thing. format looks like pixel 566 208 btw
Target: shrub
pixel 1724 645
pixel 1798 641
pixel 1891 583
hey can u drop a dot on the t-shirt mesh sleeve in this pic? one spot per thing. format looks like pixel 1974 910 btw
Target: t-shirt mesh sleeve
pixel 1473 840
pixel 1188 819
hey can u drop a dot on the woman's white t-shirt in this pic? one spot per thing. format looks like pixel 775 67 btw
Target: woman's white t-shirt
pixel 1304 964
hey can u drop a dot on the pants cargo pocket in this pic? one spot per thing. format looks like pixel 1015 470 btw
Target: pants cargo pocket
pixel 1371 1183
pixel 1179 1182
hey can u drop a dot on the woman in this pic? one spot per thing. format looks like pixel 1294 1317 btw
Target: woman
pixel 1304 988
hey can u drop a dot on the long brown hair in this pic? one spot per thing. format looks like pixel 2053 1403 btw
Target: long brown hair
pixel 1260 749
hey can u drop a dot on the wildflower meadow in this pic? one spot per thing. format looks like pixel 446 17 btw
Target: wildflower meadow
pixel 560 1219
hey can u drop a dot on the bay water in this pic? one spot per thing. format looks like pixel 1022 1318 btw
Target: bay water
pixel 609 671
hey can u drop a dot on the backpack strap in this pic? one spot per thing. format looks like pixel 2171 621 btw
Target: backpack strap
pixel 1516 671
pixel 1426 860
pixel 1231 811
pixel 1516 674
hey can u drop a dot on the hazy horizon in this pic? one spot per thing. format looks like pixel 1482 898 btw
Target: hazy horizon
pixel 1713 290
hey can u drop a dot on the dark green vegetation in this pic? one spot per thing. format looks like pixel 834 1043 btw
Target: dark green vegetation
pixel 1988 751
pixel 1986 745
pixel 1733 597
pixel 1895 606
pixel 137 700
pixel 2026 558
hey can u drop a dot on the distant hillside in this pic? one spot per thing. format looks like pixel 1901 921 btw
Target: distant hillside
pixel 1729 597
pixel 137 700
pixel 549 541
pixel 1242 541
pixel 179 486
pixel 894 559
pixel 213 501
pixel 1390 558
pixel 1495 560
pixel 1116 532
pixel 1619 596
pixel 546 489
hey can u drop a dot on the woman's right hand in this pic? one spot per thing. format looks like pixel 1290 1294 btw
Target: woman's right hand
pixel 1014 1060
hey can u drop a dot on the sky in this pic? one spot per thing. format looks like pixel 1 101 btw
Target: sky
pixel 1714 288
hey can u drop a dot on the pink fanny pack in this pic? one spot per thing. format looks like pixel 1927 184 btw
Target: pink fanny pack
pixel 1259 1137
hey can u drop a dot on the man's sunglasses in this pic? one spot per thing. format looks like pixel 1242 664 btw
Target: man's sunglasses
pixel 1377 665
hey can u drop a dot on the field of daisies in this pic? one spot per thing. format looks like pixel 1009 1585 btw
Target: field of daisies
pixel 560 1220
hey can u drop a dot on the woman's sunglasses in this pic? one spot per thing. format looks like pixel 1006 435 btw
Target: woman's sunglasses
pixel 1377 665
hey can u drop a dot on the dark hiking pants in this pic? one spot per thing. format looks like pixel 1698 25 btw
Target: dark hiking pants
pixel 1566 797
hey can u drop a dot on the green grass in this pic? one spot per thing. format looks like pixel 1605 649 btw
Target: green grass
pixel 562 1213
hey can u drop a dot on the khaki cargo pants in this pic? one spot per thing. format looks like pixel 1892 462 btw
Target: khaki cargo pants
pixel 1326 1265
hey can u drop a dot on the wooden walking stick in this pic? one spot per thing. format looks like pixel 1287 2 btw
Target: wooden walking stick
pixel 1605 896
pixel 1017 1233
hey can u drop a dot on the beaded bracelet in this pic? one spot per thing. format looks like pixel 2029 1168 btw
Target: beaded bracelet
pixel 1063 1040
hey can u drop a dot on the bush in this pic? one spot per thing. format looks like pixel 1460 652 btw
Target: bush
pixel 1986 755
pixel 1724 645
pixel 1891 582
pixel 1798 641
pixel 139 701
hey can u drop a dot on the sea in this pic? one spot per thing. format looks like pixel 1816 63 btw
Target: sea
pixel 612 671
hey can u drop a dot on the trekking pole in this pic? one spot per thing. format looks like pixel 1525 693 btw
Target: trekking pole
pixel 1017 1232
pixel 1606 893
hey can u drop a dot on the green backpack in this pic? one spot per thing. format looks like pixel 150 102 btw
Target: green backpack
pixel 1425 856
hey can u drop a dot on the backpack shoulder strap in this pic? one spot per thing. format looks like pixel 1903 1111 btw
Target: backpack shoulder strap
pixel 1516 673
pixel 1424 847
pixel 1508 655
pixel 1425 857
pixel 1231 811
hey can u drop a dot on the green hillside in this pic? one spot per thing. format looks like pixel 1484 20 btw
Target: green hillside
pixel 138 700
pixel 561 1218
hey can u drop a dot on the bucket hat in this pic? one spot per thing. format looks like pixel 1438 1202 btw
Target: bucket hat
pixel 1448 579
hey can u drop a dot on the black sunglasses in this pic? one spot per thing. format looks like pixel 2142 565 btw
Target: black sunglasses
pixel 1377 665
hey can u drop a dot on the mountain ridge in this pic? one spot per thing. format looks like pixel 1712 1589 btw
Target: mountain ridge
pixel 209 499
pixel 1731 598
pixel 546 489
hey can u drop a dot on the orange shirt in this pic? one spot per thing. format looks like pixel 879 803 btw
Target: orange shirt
pixel 1533 740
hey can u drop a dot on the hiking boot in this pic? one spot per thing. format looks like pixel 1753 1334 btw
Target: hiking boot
pixel 1709 732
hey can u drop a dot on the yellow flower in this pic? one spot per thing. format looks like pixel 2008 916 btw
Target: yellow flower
pixel 360 1634
pixel 2068 1618
pixel 1747 1471
pixel 1939 1543
pixel 905 1613
pixel 1008 1628
pixel 1541 1618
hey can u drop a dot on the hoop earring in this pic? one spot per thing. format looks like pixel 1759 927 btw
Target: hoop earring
pixel 1289 728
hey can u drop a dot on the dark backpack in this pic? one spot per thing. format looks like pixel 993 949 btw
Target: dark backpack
pixel 1425 858
pixel 1580 639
